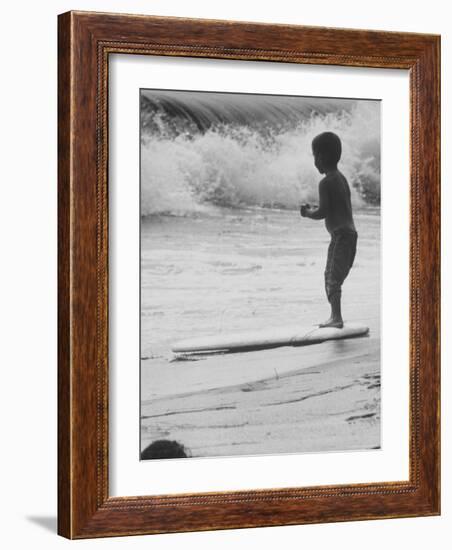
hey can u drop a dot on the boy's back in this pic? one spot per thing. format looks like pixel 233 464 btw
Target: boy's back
pixel 338 214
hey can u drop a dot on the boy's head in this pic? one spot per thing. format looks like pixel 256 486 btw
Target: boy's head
pixel 327 150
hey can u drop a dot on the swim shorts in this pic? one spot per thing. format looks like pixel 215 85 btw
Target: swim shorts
pixel 341 255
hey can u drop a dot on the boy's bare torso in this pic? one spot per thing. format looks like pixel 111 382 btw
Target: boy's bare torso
pixel 338 212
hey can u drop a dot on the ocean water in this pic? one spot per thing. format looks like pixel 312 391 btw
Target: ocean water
pixel 246 269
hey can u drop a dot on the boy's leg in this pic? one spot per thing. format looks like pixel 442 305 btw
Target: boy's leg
pixel 335 319
pixel 333 284
pixel 336 313
pixel 341 256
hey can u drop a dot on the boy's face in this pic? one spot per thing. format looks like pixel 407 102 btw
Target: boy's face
pixel 318 161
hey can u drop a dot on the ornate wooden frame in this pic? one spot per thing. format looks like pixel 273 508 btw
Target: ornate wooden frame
pixel 85 508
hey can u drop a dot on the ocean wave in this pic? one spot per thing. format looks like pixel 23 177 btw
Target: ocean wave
pixel 239 164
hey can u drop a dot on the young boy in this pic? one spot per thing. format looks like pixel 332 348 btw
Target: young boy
pixel 336 209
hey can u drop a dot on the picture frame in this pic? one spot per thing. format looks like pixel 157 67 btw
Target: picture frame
pixel 85 42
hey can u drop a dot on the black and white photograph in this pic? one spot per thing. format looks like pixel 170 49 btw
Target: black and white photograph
pixel 260 274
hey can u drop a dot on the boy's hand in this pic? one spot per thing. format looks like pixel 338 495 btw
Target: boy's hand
pixel 303 208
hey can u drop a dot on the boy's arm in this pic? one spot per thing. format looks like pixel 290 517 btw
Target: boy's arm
pixel 321 211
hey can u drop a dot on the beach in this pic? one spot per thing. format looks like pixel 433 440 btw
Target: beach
pixel 223 270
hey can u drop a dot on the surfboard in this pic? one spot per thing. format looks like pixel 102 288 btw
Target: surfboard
pixel 267 338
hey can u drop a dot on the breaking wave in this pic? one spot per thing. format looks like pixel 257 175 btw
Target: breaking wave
pixel 200 150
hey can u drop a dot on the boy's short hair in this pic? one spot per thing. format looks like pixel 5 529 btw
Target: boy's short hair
pixel 329 145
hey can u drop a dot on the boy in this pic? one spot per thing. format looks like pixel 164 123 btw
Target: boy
pixel 336 209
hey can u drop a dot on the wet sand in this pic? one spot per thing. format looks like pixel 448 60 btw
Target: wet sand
pixel 250 270
pixel 326 407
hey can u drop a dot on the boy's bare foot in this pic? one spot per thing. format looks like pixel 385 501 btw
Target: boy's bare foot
pixel 335 323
